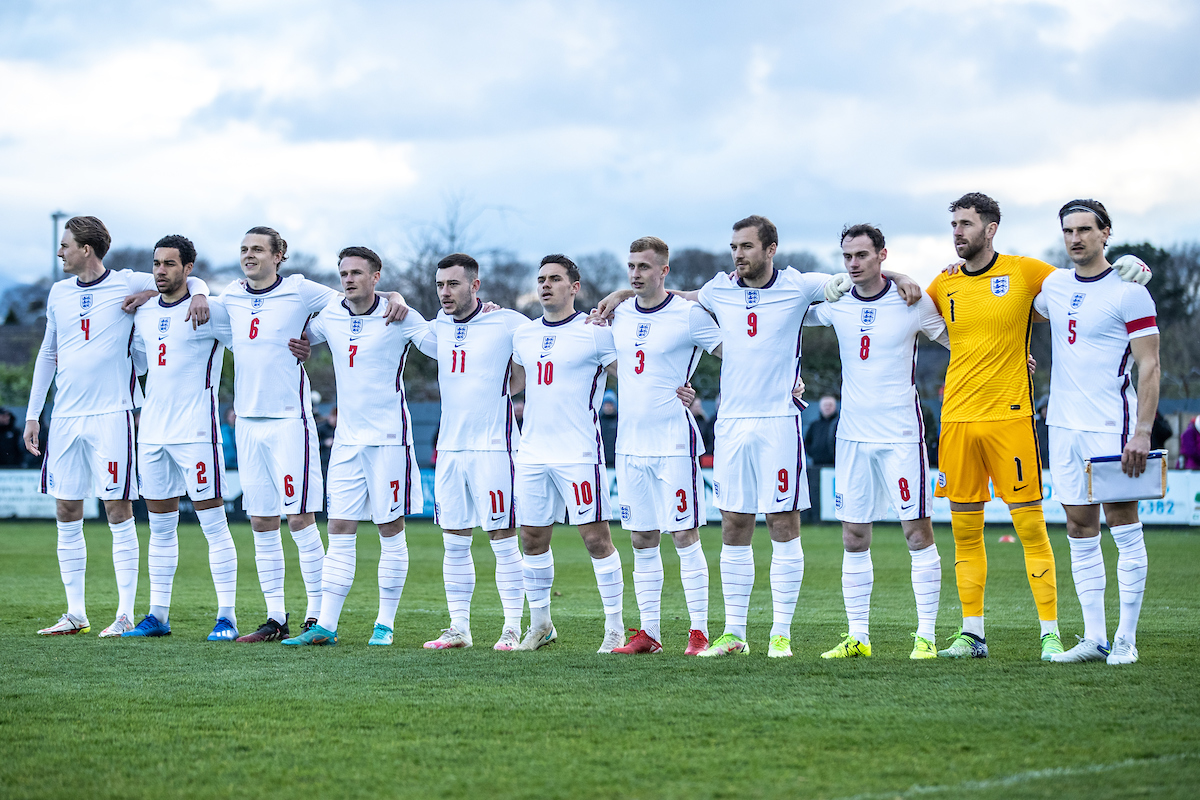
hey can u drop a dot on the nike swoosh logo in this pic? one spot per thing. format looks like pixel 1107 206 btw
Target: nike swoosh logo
pixel 907 507
pixel 498 517
pixel 1019 488
pixel 1038 576
pixel 290 503
pixel 863 330
pixel 956 563
pixel 395 507
pixel 948 294
pixel 682 519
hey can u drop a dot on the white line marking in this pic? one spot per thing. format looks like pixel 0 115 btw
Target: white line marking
pixel 1022 777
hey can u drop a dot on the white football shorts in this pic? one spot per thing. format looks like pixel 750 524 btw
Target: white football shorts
pixel 381 483
pixel 90 456
pixel 545 490
pixel 474 488
pixel 1068 449
pixel 279 464
pixel 195 469
pixel 659 493
pixel 758 466
pixel 870 476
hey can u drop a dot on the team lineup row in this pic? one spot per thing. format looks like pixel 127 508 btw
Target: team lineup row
pixel 104 328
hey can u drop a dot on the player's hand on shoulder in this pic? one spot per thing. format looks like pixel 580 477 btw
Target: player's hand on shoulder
pixel 488 307
pixel 837 286
pixel 32 428
pixel 908 289
pixel 1133 269
pixel 686 394
pixel 198 311
pixel 301 348
pixel 608 306
pixel 594 318
pixel 397 309
pixel 135 301
pixel 952 269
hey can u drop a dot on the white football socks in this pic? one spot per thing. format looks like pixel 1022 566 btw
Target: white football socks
pixel 538 574
pixel 647 586
pixel 1131 577
pixel 974 626
pixel 787 573
pixel 222 559
pixel 1087 568
pixel 125 564
pixel 611 583
pixel 312 557
pixel 858 579
pixel 509 580
pixel 337 576
pixel 458 573
pixel 72 565
pixel 268 558
pixel 393 569
pixel 162 560
pixel 927 588
pixel 737 579
pixel 693 573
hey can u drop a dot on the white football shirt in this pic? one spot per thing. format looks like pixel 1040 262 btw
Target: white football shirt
pixel 1092 321
pixel 564 384
pixel 474 368
pixel 877 340
pixel 91 339
pixel 268 380
pixel 368 363
pixel 183 374
pixel 657 351
pixel 760 331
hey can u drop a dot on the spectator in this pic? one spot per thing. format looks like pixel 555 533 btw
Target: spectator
pixel 12 454
pixel 820 441
pixel 608 427
pixel 1189 446
pixel 1161 432
pixel 229 440
pixel 706 432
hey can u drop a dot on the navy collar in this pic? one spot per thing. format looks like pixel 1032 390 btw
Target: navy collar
pixel 1094 278
pixel 366 313
pixel 278 280
pixel 560 322
pixel 472 315
pixel 186 295
pixel 887 284
pixel 767 285
pixel 89 284
pixel 658 307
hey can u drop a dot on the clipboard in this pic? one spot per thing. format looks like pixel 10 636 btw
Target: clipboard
pixel 1106 483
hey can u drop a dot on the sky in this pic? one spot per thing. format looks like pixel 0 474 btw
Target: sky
pixel 578 127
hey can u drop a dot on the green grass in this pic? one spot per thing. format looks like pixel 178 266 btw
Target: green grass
pixel 80 716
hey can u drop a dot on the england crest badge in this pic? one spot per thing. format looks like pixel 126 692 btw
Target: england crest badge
pixel 547 343
pixel 643 331
pixel 164 325
pixel 257 303
pixel 356 324
pixel 1077 300
pixel 85 301
pixel 1000 285
pixel 752 298
pixel 868 316
pixel 460 333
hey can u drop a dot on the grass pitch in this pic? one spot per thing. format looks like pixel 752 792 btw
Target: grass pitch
pixel 80 716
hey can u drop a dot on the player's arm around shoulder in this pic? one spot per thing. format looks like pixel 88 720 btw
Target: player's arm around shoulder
pixel 931 322
pixel 606 348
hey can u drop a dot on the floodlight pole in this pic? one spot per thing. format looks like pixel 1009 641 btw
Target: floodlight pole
pixel 54 218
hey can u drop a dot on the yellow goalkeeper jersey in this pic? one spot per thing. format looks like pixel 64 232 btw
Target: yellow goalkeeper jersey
pixel 989 316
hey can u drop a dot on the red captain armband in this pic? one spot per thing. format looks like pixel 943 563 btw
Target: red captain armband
pixel 1140 324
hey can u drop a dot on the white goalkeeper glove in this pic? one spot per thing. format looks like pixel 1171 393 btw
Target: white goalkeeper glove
pixel 1130 268
pixel 837 286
